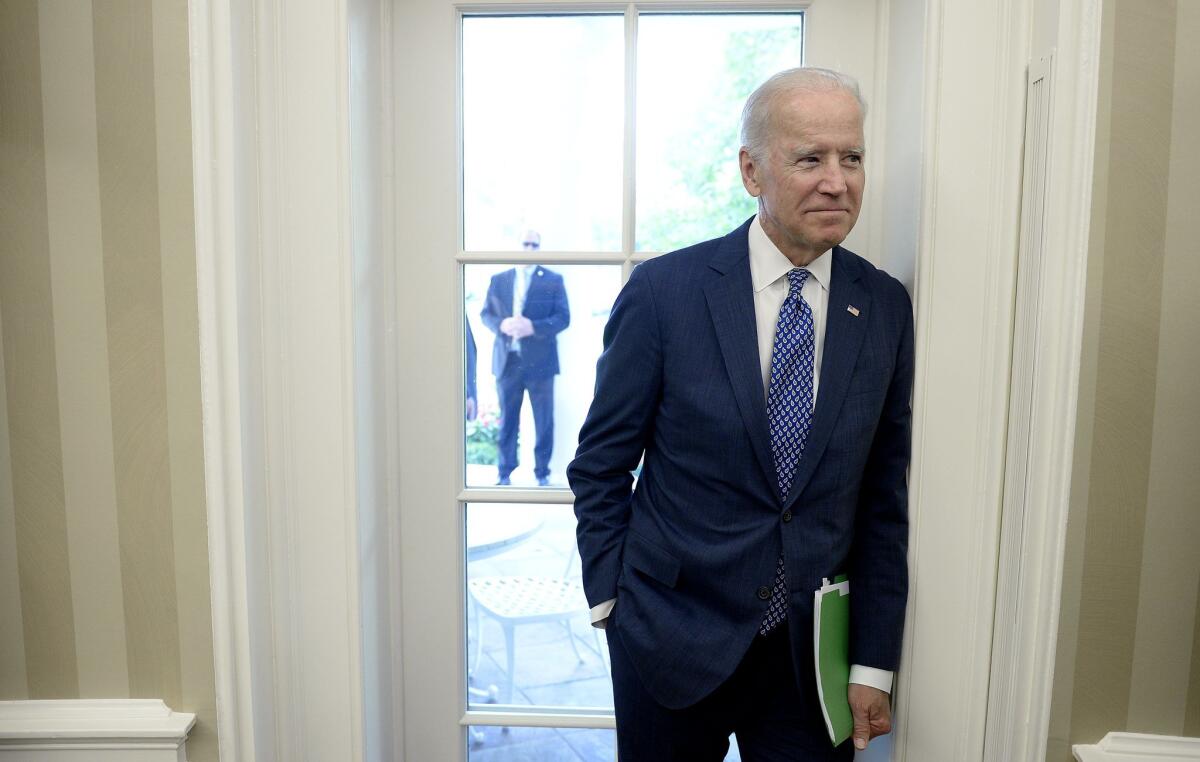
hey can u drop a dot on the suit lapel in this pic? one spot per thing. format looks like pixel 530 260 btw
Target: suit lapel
pixel 533 288
pixel 844 334
pixel 731 305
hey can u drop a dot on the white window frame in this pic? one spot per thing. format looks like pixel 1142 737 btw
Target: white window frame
pixel 627 258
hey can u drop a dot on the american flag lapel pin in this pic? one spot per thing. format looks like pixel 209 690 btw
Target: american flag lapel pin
pixel 852 310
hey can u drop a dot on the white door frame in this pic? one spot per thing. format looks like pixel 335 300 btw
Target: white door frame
pixel 274 94
pixel 1034 526
pixel 974 117
pixel 271 160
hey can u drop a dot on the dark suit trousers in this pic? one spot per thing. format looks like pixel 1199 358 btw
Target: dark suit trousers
pixel 759 703
pixel 511 387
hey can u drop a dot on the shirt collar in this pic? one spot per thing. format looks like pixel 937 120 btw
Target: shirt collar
pixel 525 274
pixel 768 264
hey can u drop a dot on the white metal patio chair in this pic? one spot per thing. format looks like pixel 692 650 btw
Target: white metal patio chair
pixel 528 599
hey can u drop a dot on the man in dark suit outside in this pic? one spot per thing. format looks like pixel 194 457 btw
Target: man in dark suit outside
pixel 472 390
pixel 526 307
pixel 765 379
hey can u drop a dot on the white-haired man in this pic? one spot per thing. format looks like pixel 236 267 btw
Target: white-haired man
pixel 765 379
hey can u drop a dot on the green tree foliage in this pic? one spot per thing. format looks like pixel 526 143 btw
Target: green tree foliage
pixel 707 198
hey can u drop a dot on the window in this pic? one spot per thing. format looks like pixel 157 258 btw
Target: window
pixel 590 142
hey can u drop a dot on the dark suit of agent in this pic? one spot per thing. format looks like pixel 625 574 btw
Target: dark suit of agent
pixel 525 358
pixel 684 571
pixel 472 390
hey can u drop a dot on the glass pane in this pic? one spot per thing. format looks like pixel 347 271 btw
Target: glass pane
pixel 542 384
pixel 530 641
pixel 694 74
pixel 491 744
pixel 543 109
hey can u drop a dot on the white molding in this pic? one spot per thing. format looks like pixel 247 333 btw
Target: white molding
pixel 301 303
pixel 877 112
pixel 973 123
pixel 629 138
pixel 1033 566
pixel 426 167
pixel 216 186
pixel 582 718
pixel 1006 706
pixel 378 424
pixel 127 729
pixel 1138 747
pixel 504 7
pixel 271 133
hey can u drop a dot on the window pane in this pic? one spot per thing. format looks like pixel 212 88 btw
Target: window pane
pixel 543 386
pixel 490 744
pixel 543 109
pixel 529 636
pixel 694 74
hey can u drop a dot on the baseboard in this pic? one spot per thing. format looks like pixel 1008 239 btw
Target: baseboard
pixel 95 730
pixel 1138 747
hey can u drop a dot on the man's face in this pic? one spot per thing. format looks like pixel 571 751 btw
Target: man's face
pixel 809 186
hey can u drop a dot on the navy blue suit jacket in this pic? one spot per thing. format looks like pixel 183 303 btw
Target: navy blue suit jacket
pixel 545 306
pixel 686 553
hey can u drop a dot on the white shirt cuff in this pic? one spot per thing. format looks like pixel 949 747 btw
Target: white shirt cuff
pixel 876 678
pixel 601 611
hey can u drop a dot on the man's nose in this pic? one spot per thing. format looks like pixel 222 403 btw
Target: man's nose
pixel 833 180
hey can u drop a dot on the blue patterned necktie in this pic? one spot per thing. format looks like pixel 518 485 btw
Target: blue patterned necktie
pixel 789 409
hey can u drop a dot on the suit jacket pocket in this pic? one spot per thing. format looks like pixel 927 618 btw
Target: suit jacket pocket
pixel 650 559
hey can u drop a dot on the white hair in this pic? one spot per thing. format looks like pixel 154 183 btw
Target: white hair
pixel 756 114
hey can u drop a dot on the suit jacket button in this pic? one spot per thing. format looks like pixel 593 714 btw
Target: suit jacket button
pixel 787 516
pixel 764 593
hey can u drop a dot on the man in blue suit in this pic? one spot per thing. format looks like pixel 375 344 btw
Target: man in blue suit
pixel 526 307
pixel 765 379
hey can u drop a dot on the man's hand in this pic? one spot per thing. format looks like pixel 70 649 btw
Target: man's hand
pixel 872 712
pixel 517 327
pixel 521 327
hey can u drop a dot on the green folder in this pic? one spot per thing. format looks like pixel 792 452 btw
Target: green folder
pixel 831 656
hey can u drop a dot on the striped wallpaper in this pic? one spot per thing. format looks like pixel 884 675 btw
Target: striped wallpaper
pixel 103 543
pixel 1129 637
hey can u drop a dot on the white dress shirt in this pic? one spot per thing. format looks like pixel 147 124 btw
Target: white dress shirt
pixel 768 276
pixel 520 289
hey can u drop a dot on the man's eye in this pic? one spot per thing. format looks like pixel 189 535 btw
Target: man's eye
pixel 854 159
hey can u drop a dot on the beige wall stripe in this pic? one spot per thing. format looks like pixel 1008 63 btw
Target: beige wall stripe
pixel 28 324
pixel 1128 358
pixel 13 684
pixel 77 283
pixel 1143 64
pixel 1191 715
pixel 182 345
pixel 1171 566
pixel 124 64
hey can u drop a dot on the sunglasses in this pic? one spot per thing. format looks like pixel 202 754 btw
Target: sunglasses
pixel 531 245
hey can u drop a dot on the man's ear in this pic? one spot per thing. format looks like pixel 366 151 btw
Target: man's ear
pixel 749 173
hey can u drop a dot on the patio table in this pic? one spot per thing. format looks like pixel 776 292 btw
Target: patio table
pixel 492 531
